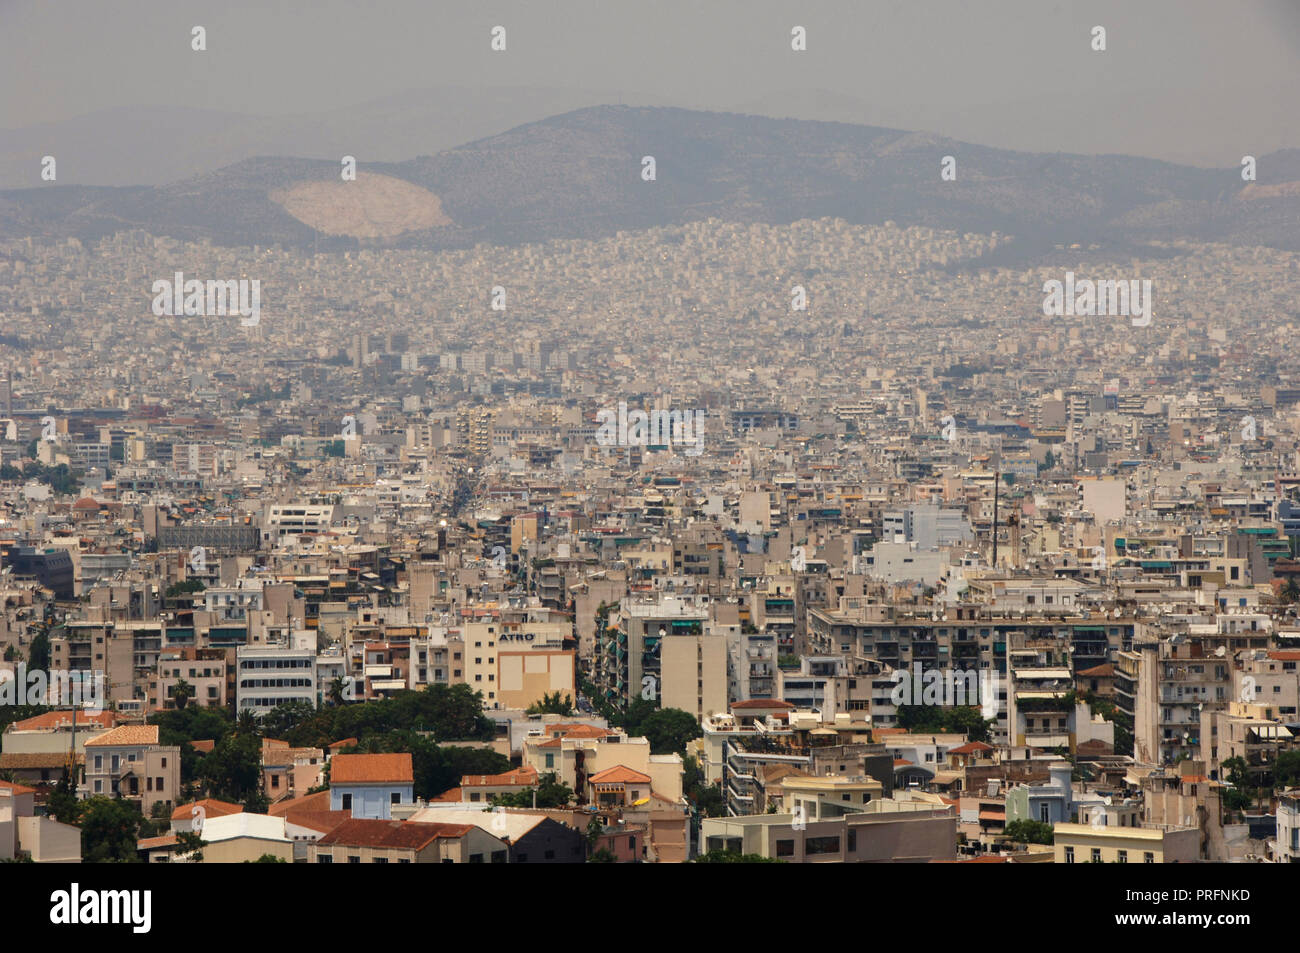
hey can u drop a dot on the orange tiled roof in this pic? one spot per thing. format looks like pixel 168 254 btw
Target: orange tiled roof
pixel 371 769
pixel 16 788
pixel 321 821
pixel 211 808
pixel 525 775
pixel 63 719
pixel 409 835
pixel 126 735
pixel 619 774
pixel 320 801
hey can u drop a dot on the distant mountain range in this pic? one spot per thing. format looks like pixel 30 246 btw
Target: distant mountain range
pixel 578 175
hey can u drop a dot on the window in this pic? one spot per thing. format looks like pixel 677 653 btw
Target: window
pixel 347 802
pixel 821 845
pixel 1121 857
pixel 381 860
pixel 785 848
pixel 549 855
pixel 498 856
pixel 1096 855
pixel 324 858
pixel 1069 855
pixel 354 859
pixel 476 858
pixel 395 797
pixel 1148 858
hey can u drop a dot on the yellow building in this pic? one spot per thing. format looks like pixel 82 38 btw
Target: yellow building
pixel 1083 843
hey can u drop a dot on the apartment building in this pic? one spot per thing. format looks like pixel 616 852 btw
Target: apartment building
pixel 128 762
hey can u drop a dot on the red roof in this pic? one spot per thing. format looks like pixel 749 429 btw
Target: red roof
pixel 761 703
pixel 372 769
pixel 211 808
pixel 16 788
pixel 971 747
pixel 619 774
pixel 63 719
pixel 519 776
pixel 408 835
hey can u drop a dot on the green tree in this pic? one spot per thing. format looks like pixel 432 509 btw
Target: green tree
pixel 182 692
pixel 109 830
pixel 267 859
pixel 190 846
pixel 232 770
pixel 550 792
pixel 603 856
pixel 1286 770
pixel 733 857
pixel 1030 832
pixel 38 656
pixel 552 704
pixel 62 803
pixel 669 730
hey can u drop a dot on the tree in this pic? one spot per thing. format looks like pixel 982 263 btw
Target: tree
pixel 38 656
pixel 62 803
pixel 669 730
pixel 232 770
pixel 1030 832
pixel 603 856
pixel 733 857
pixel 267 859
pixel 552 704
pixel 190 846
pixel 1286 770
pixel 109 830
pixel 182 692
pixel 550 792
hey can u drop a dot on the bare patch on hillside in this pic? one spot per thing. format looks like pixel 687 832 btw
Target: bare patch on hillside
pixel 374 206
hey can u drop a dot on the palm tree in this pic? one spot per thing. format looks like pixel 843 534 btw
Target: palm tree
pixel 182 691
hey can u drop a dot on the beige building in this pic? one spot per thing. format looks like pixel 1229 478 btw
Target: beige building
pixel 693 673
pixel 577 752
pixel 885 831
pixel 129 762
pixel 364 841
pixel 1083 843
pixel 22 833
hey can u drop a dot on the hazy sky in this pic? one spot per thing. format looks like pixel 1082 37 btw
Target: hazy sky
pixel 1202 81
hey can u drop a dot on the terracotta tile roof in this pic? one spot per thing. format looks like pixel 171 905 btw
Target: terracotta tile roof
pixel 971 747
pixel 126 735
pixel 321 821
pixel 204 747
pixel 320 801
pixel 1104 670
pixel 63 719
pixel 450 796
pixel 16 789
pixel 149 843
pixel 371 769
pixel 407 835
pixel 343 743
pixel 580 731
pixel 760 703
pixel 525 775
pixel 211 808
pixel 619 774
pixel 18 762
